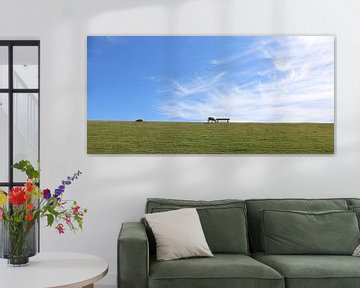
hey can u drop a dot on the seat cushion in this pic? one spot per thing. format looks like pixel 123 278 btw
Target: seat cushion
pixel 255 206
pixel 223 221
pixel 315 271
pixel 222 270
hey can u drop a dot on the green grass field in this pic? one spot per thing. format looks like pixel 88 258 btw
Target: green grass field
pixel 120 137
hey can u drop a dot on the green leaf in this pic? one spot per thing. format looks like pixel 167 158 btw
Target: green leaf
pixel 79 221
pixel 28 168
pixel 50 219
pixel 53 211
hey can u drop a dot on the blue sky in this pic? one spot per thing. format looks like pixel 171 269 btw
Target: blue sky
pixel 188 78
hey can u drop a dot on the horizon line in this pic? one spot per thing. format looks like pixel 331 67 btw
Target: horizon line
pixel 205 121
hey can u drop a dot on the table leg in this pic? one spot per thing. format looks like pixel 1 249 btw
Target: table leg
pixel 89 286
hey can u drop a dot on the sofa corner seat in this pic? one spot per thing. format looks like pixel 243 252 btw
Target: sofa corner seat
pixel 305 271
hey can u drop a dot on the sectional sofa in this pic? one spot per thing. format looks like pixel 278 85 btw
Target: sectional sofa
pixel 261 243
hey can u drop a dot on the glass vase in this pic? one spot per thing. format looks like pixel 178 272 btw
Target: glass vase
pixel 18 242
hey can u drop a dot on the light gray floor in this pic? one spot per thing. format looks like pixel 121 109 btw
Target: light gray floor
pixel 104 286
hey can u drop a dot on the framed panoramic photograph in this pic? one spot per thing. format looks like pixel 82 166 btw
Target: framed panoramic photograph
pixel 210 94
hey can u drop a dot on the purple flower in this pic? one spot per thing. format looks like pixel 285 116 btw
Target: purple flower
pixel 58 192
pixel 46 194
pixel 64 183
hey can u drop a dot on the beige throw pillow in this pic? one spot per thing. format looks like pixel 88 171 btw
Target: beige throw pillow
pixel 178 234
pixel 357 251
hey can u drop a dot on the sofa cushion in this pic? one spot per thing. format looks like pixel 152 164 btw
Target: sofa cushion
pixel 178 234
pixel 222 270
pixel 354 205
pixel 353 201
pixel 254 216
pixel 356 209
pixel 297 232
pixel 224 221
pixel 314 271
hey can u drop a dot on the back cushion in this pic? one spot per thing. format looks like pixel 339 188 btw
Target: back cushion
pixel 255 206
pixel 354 205
pixel 223 222
pixel 353 201
pixel 297 232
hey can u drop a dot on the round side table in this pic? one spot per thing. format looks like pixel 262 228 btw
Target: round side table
pixel 50 270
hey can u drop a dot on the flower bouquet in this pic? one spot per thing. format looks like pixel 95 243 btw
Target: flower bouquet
pixel 21 208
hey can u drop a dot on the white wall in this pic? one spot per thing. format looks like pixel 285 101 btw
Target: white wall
pixel 114 188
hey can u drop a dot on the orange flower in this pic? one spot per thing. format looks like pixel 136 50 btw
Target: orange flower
pixel 29 217
pixel 29 186
pixel 29 206
pixel 27 196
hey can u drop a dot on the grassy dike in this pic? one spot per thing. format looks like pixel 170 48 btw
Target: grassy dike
pixel 121 137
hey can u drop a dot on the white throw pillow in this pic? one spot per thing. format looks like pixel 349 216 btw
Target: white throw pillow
pixel 178 234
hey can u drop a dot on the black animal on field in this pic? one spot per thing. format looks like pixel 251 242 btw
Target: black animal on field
pixel 139 120
pixel 211 119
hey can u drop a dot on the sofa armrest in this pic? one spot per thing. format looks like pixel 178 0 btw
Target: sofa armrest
pixel 133 256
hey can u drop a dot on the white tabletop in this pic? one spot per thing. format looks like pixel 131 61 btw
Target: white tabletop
pixel 54 270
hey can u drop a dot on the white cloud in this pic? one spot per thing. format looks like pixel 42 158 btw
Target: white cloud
pixel 242 56
pixel 200 84
pixel 299 87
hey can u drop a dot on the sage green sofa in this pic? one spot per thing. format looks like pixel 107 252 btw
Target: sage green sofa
pixel 233 230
